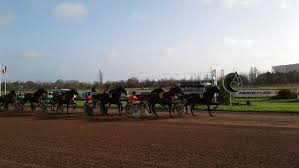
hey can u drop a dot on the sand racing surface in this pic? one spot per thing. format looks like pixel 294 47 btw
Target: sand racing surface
pixel 228 140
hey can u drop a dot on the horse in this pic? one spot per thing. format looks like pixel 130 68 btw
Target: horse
pixel 114 97
pixel 146 97
pixel 102 99
pixel 205 99
pixel 64 98
pixel 164 98
pixel 10 98
pixel 33 98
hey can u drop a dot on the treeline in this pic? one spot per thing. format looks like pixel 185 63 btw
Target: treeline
pixel 278 78
pixel 59 84
pixel 260 79
pixel 269 78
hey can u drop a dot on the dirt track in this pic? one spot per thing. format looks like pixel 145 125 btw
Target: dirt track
pixel 229 140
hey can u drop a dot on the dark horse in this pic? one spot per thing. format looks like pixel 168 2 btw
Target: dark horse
pixel 33 98
pixel 164 98
pixel 64 98
pixel 205 99
pixel 101 99
pixel 147 97
pixel 10 98
pixel 114 97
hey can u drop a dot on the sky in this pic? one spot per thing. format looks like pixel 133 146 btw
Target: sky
pixel 46 40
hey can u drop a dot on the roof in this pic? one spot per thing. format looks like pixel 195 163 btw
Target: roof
pixel 191 84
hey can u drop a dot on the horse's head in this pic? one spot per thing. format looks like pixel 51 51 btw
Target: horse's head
pixel 74 92
pixel 41 91
pixel 176 90
pixel 157 90
pixel 213 89
pixel 121 89
pixel 13 93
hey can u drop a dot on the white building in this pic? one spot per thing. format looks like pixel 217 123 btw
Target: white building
pixel 286 68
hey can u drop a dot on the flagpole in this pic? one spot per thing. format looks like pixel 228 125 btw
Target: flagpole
pixel 5 78
pixel 0 79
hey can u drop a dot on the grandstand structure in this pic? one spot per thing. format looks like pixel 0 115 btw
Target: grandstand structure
pixel 286 68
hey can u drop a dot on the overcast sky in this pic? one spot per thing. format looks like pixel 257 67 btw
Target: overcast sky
pixel 46 40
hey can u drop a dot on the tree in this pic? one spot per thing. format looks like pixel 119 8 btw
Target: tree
pixel 132 82
pixel 253 73
pixel 244 79
pixel 59 83
pixel 100 77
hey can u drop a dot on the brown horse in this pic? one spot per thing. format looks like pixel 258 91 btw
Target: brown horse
pixel 10 98
pixel 205 99
pixel 34 98
pixel 64 98
pixel 165 99
pixel 115 98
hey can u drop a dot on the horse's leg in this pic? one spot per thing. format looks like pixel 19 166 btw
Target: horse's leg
pixel 58 105
pixel 31 105
pixel 211 115
pixel 103 108
pixel 75 105
pixel 52 106
pixel 22 106
pixel 154 109
pixel 186 108
pixel 119 108
pixel 67 108
pixel 192 108
pixel 5 106
pixel 170 109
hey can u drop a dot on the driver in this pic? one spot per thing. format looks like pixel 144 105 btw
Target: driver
pixel 133 99
pixel 89 98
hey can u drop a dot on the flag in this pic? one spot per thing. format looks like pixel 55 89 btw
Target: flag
pixel 3 70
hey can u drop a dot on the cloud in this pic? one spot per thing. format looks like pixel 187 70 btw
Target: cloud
pixel 69 10
pixel 230 3
pixel 7 19
pixel 243 43
pixel 208 2
pixel 284 5
pixel 228 41
pixel 31 54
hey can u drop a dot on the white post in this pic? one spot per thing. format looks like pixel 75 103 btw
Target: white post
pixel 215 84
pixel 230 99
pixel 0 79
pixel 5 76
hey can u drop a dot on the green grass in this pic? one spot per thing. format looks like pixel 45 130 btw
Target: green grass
pixel 262 105
pixel 273 87
pixel 256 105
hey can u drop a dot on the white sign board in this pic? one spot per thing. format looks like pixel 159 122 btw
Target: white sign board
pixel 256 93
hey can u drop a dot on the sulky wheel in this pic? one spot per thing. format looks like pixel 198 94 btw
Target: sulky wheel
pixel 18 107
pixel 88 109
pixel 136 111
pixel 60 108
pixel 33 107
pixel 179 109
pixel 45 106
